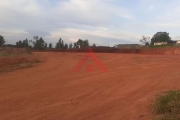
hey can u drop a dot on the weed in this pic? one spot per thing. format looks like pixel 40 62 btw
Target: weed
pixel 167 106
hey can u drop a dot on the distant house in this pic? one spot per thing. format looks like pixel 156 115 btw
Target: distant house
pixel 172 42
pixel 160 43
pixel 128 46
pixel 177 41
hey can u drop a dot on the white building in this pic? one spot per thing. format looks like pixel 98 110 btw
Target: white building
pixel 160 43
pixel 177 41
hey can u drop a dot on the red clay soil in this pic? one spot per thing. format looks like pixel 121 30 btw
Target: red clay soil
pixel 15 62
pixel 51 90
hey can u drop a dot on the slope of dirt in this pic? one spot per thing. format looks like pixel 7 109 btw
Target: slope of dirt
pixel 52 91
pixel 11 63
pixel 10 50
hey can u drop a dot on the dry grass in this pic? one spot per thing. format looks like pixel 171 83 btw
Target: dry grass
pixel 167 106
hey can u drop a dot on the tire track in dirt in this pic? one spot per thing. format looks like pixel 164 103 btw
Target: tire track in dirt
pixel 51 90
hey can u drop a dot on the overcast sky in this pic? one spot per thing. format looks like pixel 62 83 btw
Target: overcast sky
pixel 100 21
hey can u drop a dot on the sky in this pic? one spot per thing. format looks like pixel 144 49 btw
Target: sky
pixel 104 22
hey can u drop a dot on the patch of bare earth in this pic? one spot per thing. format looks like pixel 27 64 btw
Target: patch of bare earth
pixel 15 58
pixel 8 64
pixel 52 91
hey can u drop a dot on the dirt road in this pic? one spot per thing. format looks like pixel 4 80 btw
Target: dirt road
pixel 50 90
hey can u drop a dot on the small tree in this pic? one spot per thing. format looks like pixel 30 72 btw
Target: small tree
pixel 39 43
pixel 82 43
pixel 50 45
pixel 94 45
pixel 85 43
pixel 66 46
pixel 145 40
pixel 22 44
pixel 2 40
pixel 70 45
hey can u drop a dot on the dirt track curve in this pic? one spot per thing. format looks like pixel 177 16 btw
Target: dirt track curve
pixel 50 90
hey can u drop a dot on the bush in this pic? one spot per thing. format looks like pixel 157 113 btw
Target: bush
pixel 167 106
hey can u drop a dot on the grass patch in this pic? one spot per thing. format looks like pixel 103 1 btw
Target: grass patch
pixel 2 54
pixel 167 106
pixel 162 46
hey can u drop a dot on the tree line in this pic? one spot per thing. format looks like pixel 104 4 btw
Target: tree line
pixel 39 43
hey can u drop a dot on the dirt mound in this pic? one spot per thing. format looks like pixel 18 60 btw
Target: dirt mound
pixel 10 50
pixel 12 63
pixel 152 51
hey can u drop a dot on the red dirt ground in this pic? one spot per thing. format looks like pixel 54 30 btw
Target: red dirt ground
pixel 11 63
pixel 51 90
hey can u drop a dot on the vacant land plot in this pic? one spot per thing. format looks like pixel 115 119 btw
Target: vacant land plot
pixel 52 91
pixel 14 58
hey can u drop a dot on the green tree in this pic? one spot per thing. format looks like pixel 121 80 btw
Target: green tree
pixel 94 45
pixel 82 43
pixel 39 43
pixel 19 44
pixel 45 45
pixel 160 37
pixel 50 45
pixel 22 44
pixel 75 45
pixel 66 46
pixel 57 45
pixel 2 40
pixel 85 43
pixel 70 45
pixel 60 44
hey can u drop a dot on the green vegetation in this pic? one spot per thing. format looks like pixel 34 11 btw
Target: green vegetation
pixel 167 106
pixel 160 37
pixel 23 44
pixel 145 41
pixel 161 46
pixel 2 54
pixel 2 40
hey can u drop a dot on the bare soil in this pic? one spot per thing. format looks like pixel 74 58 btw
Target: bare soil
pixel 52 91
pixel 8 64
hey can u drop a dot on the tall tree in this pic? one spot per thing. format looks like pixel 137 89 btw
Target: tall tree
pixel 39 43
pixel 70 45
pixel 75 45
pixel 57 45
pixel 160 37
pixel 94 45
pixel 50 45
pixel 2 40
pixel 60 43
pixel 85 43
pixel 66 46
pixel 82 43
